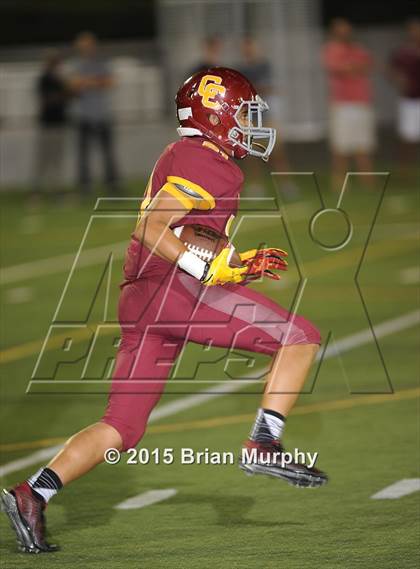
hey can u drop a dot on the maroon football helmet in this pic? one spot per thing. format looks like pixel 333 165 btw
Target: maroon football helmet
pixel 229 95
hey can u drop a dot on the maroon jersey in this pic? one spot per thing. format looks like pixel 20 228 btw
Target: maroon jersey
pixel 200 175
pixel 406 61
pixel 205 180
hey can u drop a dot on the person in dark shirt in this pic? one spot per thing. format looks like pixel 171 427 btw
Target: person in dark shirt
pixel 258 70
pixel 405 74
pixel 92 82
pixel 212 49
pixel 53 97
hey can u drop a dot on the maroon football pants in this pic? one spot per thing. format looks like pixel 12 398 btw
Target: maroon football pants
pixel 159 316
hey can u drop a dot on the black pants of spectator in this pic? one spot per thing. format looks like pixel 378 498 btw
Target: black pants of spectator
pixel 100 133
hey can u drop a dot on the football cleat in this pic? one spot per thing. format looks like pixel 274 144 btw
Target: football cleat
pixel 26 515
pixel 269 459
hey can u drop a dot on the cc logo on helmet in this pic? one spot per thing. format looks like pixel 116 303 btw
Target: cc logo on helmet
pixel 210 86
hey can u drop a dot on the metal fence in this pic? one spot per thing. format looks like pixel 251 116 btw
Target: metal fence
pixel 149 73
pixel 290 36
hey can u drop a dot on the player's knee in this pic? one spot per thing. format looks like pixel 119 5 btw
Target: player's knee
pixel 304 332
pixel 132 437
pixel 312 333
pixel 130 433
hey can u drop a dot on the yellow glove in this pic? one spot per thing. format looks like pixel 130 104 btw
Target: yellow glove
pixel 219 272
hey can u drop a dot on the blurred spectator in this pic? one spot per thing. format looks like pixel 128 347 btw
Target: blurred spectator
pixel 53 97
pixel 405 72
pixel 91 82
pixel 258 70
pixel 256 67
pixel 212 50
pixel 352 125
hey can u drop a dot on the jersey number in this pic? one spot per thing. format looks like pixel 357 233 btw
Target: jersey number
pixel 210 86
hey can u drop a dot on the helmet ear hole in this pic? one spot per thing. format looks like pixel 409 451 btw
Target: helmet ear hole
pixel 213 119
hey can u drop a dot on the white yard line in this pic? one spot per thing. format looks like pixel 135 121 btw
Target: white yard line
pixel 410 275
pixel 38 456
pixel 18 295
pixel 146 499
pixel 59 264
pixel 184 403
pixel 399 489
pixel 173 407
pixel 365 336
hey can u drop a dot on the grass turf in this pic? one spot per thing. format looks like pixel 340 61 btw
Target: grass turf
pixel 219 517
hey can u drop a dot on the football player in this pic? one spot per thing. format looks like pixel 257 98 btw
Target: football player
pixel 171 296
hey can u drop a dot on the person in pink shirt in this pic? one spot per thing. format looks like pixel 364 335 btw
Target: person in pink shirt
pixel 352 126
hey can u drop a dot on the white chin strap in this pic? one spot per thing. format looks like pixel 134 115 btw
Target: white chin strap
pixel 188 131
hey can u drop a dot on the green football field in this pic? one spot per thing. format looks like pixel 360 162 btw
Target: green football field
pixel 359 411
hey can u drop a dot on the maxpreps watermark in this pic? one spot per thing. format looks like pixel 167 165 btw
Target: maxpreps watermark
pixel 190 456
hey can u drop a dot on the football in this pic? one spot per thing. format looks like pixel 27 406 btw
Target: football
pixel 205 242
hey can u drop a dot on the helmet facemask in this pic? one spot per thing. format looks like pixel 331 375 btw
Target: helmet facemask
pixel 249 132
